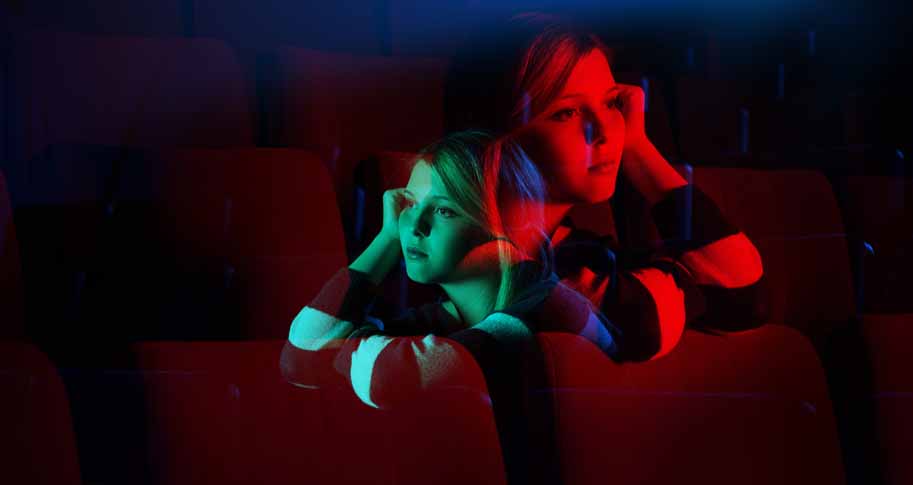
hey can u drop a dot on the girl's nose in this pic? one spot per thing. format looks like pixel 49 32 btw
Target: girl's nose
pixel 594 129
pixel 418 222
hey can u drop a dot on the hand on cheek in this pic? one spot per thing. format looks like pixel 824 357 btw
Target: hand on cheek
pixel 632 108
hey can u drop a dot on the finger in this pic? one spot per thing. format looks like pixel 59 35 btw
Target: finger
pixel 632 97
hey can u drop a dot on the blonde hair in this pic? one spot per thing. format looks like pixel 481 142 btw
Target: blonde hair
pixel 488 178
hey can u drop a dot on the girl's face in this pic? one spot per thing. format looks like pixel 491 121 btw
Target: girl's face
pixel 578 139
pixel 436 236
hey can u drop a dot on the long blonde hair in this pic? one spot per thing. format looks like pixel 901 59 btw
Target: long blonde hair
pixel 497 187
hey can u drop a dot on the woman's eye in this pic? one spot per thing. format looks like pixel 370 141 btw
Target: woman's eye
pixel 445 212
pixel 564 114
pixel 614 103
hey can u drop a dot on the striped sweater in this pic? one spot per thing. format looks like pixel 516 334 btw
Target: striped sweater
pixel 705 274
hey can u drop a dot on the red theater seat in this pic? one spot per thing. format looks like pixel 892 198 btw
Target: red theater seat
pixel 258 228
pixel 751 407
pixel 887 340
pixel 11 295
pixel 793 219
pixel 879 212
pixel 126 91
pixel 222 413
pixel 37 444
pixel 350 107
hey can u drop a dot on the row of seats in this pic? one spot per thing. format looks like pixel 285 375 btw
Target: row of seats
pixel 190 244
pixel 750 407
pixel 141 91
pixel 205 212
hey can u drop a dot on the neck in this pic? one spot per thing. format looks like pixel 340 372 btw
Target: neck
pixel 473 298
pixel 554 213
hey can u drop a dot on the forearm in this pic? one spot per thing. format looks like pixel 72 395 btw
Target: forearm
pixel 650 174
pixel 378 258
pixel 338 310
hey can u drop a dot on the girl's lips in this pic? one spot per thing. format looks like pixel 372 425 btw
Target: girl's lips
pixel 600 168
pixel 414 253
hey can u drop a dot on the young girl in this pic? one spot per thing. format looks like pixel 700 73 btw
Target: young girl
pixel 471 221
pixel 550 87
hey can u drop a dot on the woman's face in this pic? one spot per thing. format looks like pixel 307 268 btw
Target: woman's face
pixel 578 139
pixel 436 236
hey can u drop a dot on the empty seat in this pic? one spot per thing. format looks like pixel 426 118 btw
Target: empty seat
pixel 11 294
pixel 259 227
pixel 126 91
pixel 751 407
pixel 350 107
pixel 793 219
pixel 37 445
pixel 886 338
pixel 879 214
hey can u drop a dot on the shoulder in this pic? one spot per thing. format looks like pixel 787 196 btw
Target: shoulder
pixel 505 328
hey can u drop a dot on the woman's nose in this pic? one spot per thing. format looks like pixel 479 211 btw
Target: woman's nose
pixel 594 129
pixel 418 223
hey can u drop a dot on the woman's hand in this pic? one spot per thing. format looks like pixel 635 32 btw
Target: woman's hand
pixel 631 104
pixel 642 164
pixel 384 251
pixel 394 201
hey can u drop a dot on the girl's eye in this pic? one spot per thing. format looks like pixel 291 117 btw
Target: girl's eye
pixel 614 103
pixel 445 212
pixel 564 114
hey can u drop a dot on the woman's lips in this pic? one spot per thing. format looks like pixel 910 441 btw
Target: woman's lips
pixel 414 253
pixel 602 168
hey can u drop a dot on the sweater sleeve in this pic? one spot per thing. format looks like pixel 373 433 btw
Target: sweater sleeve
pixel 387 363
pixel 722 261
pixel 706 275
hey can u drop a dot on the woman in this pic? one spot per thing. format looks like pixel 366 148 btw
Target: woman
pixel 550 87
pixel 470 220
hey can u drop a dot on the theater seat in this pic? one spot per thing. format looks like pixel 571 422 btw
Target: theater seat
pixel 751 407
pixel 879 214
pixel 221 412
pixel 886 339
pixel 37 444
pixel 256 229
pixel 126 91
pixel 349 107
pixel 11 294
pixel 793 219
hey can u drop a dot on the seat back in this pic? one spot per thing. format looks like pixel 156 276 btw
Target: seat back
pixel 223 410
pixel 349 106
pixel 126 91
pixel 879 212
pixel 258 228
pixel 793 219
pixel 885 340
pixel 750 407
pixel 37 444
pixel 11 294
